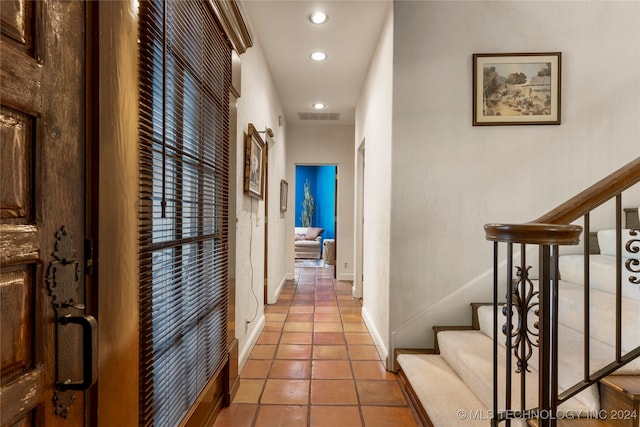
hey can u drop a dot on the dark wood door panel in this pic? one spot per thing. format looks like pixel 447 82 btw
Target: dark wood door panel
pixel 16 405
pixel 21 81
pixel 16 316
pixel 22 386
pixel 26 421
pixel 16 136
pixel 42 143
pixel 19 244
pixel 17 21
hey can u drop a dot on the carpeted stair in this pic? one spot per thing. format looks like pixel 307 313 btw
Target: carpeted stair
pixel 452 383
pixel 454 387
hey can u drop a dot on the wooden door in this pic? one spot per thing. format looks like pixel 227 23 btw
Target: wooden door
pixel 42 213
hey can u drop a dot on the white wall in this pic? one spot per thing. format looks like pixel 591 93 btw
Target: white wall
pixel 318 144
pixel 449 178
pixel 278 231
pixel 374 127
pixel 498 173
pixel 258 104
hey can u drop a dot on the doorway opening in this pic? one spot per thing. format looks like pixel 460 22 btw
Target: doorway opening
pixel 316 195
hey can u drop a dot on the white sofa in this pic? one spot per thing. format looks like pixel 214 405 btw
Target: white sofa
pixel 308 242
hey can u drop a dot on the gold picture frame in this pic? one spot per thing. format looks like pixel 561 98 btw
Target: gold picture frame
pixel 254 164
pixel 516 88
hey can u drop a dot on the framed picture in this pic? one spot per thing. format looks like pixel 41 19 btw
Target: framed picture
pixel 284 189
pixel 516 88
pixel 254 164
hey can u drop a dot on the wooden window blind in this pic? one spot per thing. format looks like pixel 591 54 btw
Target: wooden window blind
pixel 185 76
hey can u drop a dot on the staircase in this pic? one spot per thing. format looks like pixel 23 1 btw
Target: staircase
pixel 545 373
pixel 451 384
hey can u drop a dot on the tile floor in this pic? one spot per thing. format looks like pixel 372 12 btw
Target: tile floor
pixel 315 365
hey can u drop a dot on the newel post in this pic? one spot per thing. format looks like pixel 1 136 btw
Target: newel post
pixel 547 237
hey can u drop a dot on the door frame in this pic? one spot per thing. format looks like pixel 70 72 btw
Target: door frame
pixel 114 209
pixel 335 205
pixel 358 282
pixel 92 176
pixel 266 220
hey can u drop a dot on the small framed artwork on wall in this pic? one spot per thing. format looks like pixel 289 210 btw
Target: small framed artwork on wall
pixel 254 164
pixel 516 88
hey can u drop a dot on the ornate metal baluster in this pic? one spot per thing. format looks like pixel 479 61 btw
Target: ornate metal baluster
pixel 524 332
pixel 633 264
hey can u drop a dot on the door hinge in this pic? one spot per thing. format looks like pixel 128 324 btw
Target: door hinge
pixel 88 256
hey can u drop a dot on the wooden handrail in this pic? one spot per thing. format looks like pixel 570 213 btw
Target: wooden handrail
pixel 594 196
pixel 551 229
pixel 534 234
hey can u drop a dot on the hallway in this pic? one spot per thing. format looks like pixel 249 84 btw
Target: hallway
pixel 315 364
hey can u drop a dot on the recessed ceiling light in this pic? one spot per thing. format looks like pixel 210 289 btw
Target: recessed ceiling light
pixel 318 56
pixel 319 105
pixel 318 17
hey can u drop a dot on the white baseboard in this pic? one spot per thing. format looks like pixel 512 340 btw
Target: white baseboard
pixel 245 351
pixel 354 291
pixel 345 277
pixel 278 290
pixel 383 351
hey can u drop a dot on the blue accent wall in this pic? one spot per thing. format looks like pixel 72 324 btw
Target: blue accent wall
pixel 326 200
pixel 304 173
pixel 323 187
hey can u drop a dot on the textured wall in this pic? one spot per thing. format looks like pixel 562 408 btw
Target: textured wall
pixel 449 178
pixel 258 104
pixel 374 134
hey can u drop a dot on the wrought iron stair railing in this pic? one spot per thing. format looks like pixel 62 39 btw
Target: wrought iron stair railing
pixel 548 232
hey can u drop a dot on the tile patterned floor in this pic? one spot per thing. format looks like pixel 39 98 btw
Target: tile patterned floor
pixel 315 364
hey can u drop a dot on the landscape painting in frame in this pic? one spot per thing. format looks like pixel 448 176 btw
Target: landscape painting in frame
pixel 254 164
pixel 516 88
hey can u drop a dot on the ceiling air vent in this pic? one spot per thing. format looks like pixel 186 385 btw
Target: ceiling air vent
pixel 319 116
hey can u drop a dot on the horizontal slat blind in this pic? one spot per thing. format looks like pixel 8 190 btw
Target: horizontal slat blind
pixel 185 75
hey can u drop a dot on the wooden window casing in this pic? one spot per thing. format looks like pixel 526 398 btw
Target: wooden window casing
pixel 185 77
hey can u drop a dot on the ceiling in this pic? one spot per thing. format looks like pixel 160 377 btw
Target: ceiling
pixel 287 38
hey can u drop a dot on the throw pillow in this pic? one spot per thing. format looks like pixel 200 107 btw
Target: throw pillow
pixel 313 233
pixel 607 243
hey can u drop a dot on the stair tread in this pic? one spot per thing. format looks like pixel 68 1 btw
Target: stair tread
pixel 570 338
pixel 470 354
pixel 426 383
pixel 627 384
pixel 602 313
pixel 426 374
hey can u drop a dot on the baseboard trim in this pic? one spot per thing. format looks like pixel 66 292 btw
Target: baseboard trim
pixel 383 352
pixel 251 342
pixel 279 290
pixel 345 277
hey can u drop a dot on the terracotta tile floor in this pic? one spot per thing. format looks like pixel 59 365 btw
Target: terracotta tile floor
pixel 315 364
